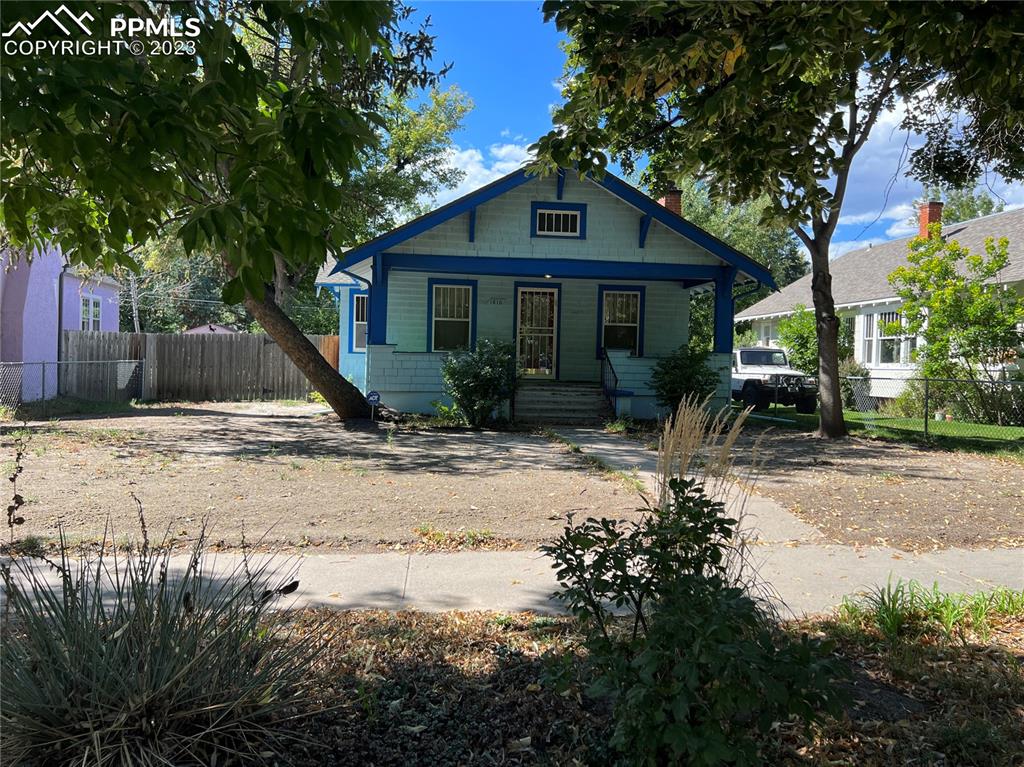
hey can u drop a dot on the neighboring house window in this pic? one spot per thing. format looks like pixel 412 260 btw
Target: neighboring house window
pixel 622 319
pixel 891 349
pixel 869 339
pixel 90 313
pixel 559 219
pixel 360 301
pixel 451 320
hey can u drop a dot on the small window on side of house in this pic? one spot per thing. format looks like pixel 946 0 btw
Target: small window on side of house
pixel 91 313
pixel 360 302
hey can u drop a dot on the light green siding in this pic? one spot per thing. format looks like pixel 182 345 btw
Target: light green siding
pixel 503 230
pixel 665 321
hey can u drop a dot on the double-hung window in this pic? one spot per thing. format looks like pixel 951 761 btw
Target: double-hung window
pixel 360 301
pixel 869 339
pixel 620 322
pixel 90 316
pixel 890 339
pixel 884 341
pixel 451 318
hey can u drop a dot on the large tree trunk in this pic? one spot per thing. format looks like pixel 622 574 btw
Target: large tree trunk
pixel 831 423
pixel 344 398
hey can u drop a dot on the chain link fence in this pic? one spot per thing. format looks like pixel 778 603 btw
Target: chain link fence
pixel 939 407
pixel 38 383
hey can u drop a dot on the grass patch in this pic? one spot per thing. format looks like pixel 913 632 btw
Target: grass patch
pixel 66 406
pixel 903 611
pixel 998 441
pixel 433 539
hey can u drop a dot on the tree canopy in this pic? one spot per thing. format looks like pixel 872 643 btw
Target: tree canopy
pixel 745 227
pixel 778 98
pixel 247 145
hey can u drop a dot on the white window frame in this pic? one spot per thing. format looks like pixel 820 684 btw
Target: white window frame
pixel 90 313
pixel 434 316
pixel 357 299
pixel 550 211
pixel 874 337
pixel 634 325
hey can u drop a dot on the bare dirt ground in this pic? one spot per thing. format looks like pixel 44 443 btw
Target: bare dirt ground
pixel 864 491
pixel 301 479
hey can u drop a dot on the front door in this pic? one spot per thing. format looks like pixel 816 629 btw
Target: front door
pixel 537 331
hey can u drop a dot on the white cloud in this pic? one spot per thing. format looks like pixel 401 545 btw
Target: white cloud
pixel 481 169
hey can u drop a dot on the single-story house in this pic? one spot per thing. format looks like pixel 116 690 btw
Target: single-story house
pixel 590 278
pixel 867 302
pixel 39 297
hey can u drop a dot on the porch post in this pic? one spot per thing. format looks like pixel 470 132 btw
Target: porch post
pixel 724 310
pixel 376 328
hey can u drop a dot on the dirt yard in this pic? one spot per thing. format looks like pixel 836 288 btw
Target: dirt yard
pixel 864 491
pixel 301 479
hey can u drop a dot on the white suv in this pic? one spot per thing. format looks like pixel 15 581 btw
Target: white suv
pixel 762 377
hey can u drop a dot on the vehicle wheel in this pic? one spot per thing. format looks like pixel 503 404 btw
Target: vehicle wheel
pixel 753 397
pixel 807 405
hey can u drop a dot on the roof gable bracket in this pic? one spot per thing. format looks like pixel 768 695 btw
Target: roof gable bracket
pixel 645 227
pixel 472 224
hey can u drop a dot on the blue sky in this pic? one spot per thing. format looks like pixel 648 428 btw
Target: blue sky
pixel 509 61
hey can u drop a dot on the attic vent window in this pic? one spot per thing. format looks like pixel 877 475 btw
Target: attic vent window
pixel 558 223
pixel 559 220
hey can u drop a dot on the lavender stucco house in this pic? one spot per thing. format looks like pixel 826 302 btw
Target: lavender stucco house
pixel 39 296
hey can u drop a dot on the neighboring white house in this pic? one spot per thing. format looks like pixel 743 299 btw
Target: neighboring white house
pixel 865 299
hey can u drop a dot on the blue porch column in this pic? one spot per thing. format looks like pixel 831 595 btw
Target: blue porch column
pixel 377 325
pixel 724 310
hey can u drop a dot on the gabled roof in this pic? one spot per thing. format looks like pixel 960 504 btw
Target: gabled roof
pixel 862 276
pixel 632 196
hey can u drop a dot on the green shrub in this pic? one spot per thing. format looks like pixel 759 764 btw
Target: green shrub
pixel 683 373
pixel 478 381
pixel 798 335
pixel 856 394
pixel 121 659
pixel 697 671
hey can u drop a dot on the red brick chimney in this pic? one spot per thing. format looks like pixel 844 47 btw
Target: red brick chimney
pixel 673 200
pixel 929 213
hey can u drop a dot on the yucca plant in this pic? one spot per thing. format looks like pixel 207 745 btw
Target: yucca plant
pixel 134 659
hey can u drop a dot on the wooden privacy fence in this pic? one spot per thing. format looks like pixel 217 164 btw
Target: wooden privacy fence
pixel 199 366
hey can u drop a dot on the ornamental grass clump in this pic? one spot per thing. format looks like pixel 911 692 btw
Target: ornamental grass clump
pixel 126 659
pixel 680 635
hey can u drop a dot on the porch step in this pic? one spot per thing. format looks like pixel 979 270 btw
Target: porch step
pixel 561 402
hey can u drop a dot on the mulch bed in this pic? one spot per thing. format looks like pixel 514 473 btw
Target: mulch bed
pixel 490 688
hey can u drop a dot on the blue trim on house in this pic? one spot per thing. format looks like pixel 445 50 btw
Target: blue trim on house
pixel 352 320
pixel 601 290
pixel 724 310
pixel 377 329
pixel 690 231
pixel 557 286
pixel 613 184
pixel 560 183
pixel 563 268
pixel 431 282
pixel 577 207
pixel 645 227
pixel 430 220
pixel 472 224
